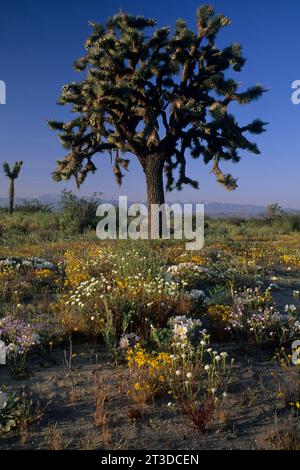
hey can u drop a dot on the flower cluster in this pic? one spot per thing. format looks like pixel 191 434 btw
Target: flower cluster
pixel 291 260
pixel 86 291
pixel 95 281
pixel 43 274
pixel 7 272
pixel 219 312
pixel 186 330
pixel 33 262
pixel 254 316
pixel 147 374
pixel 198 375
pixel 128 340
pixel 218 317
pixel 187 273
pixel 290 309
pixel 18 337
pixel 140 357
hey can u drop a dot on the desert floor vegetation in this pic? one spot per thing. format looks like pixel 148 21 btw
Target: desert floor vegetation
pixel 143 345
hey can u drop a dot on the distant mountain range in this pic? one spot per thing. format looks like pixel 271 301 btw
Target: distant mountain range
pixel 212 209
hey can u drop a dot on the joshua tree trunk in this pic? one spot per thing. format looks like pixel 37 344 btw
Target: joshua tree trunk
pixel 12 174
pixel 153 169
pixel 11 195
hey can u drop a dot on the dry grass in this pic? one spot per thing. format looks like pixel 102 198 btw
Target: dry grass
pixel 89 442
pixel 285 435
pixel 223 416
pixel 54 438
pixel 291 385
pixel 250 397
pixel 101 415
pixel 24 435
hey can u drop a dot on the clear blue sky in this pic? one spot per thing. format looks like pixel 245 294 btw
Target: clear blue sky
pixel 39 41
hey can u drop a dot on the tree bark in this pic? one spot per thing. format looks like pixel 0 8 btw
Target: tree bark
pixel 153 169
pixel 11 195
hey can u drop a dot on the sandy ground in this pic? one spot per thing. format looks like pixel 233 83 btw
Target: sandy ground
pixel 67 396
pixel 66 393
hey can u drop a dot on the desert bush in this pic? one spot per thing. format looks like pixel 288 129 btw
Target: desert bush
pixel 77 214
pixel 199 376
pixel 32 206
pixel 147 378
pixel 17 411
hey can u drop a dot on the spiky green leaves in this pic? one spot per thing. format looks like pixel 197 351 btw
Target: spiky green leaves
pixel 12 173
pixel 210 24
pixel 252 94
pixel 156 94
pixel 204 14
pixel 256 127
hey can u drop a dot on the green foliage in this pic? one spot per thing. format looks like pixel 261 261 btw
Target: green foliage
pixel 33 222
pixel 156 96
pixel 77 214
pixel 16 411
pixel 223 229
pixel 110 336
pixel 12 173
pixel 33 206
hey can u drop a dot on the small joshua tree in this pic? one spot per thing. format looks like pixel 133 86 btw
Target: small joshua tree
pixel 162 97
pixel 274 210
pixel 12 174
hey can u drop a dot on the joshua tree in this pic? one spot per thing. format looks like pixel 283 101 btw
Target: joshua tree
pixel 156 97
pixel 274 210
pixel 12 174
